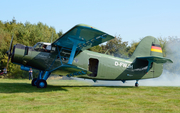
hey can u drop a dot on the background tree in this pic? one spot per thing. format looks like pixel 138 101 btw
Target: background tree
pixel 132 48
pixel 163 42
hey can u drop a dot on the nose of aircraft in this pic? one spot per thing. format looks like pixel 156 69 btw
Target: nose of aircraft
pixel 18 53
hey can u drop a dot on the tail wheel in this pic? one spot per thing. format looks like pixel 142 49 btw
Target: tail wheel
pixel 41 83
pixel 34 82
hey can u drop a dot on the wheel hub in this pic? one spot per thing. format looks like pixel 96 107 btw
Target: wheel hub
pixel 41 84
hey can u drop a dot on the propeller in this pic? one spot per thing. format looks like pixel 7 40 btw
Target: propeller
pixel 9 52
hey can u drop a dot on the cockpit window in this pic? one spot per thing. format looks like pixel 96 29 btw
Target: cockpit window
pixel 43 47
pixel 37 45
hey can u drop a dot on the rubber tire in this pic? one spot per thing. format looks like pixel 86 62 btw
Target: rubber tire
pixel 33 82
pixel 40 82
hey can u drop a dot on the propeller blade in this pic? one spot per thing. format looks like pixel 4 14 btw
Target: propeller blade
pixel 10 48
pixel 9 52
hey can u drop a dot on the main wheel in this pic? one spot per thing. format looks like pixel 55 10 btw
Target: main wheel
pixel 34 82
pixel 41 83
pixel 136 84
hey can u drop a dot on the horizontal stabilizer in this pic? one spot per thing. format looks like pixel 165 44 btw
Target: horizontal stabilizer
pixel 70 70
pixel 156 59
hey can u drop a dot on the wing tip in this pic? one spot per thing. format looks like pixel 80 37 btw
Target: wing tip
pixel 85 25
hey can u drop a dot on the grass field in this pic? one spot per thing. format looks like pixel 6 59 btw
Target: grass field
pixel 79 97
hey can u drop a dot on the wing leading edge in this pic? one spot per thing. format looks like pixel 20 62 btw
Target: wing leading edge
pixel 86 37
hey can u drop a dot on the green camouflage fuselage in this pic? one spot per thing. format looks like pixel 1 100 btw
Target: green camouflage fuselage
pixel 108 67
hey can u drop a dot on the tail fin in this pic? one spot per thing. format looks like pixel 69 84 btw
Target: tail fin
pixel 149 46
pixel 150 50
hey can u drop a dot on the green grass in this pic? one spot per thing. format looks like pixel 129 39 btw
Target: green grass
pixel 76 97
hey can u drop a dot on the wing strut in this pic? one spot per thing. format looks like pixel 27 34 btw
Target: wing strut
pixel 75 43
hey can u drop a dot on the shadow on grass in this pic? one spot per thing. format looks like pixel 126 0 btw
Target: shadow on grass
pixel 98 86
pixel 28 88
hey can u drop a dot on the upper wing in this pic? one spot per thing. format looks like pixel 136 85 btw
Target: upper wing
pixel 85 36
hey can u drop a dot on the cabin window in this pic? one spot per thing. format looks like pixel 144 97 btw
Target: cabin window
pixel 93 66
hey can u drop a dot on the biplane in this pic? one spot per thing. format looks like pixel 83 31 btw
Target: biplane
pixel 68 56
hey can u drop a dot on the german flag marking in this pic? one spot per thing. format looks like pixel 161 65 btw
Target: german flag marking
pixel 156 48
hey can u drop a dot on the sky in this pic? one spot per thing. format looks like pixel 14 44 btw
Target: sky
pixel 130 19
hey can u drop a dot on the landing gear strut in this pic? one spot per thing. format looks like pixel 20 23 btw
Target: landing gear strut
pixel 40 82
pixel 136 84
